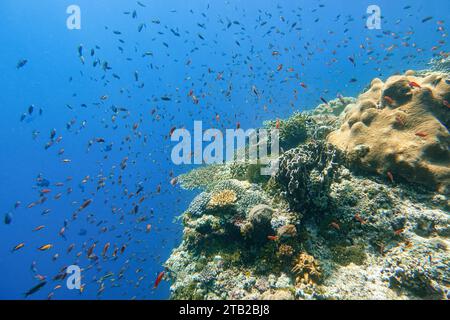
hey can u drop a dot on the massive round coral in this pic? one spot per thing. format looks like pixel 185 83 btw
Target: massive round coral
pixel 399 128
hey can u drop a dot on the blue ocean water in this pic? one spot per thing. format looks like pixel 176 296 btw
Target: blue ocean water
pixel 159 54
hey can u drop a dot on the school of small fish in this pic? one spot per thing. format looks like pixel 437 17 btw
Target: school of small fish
pixel 267 77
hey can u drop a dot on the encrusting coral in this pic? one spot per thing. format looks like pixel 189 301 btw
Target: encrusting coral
pixel 400 129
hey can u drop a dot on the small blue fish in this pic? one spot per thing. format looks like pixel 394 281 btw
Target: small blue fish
pixel 8 218
pixel 21 63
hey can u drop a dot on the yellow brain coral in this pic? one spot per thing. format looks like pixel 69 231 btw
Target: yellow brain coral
pixel 400 129
pixel 222 199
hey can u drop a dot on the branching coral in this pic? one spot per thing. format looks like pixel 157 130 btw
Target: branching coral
pixel 306 173
pixel 306 268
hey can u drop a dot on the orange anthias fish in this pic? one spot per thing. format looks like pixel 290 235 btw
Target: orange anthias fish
pixel 91 250
pixel 158 279
pixel 359 219
pixel 390 176
pixel 335 225
pixel 413 84
pixel 277 124
pixel 105 249
pixel 446 103
pixel 45 247
pixel 85 204
pixel 272 238
pixel 19 246
pixel 389 99
pixel 421 134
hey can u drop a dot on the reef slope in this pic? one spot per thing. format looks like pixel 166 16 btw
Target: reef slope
pixel 324 226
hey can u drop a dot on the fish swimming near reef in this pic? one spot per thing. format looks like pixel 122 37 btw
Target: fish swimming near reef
pixel 8 218
pixel 35 289
pixel 21 63
pixel 158 279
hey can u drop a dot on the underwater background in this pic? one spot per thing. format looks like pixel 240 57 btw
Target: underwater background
pixel 87 115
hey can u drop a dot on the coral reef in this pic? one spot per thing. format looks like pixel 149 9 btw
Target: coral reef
pixel 334 107
pixel 399 129
pixel 374 241
pixel 293 131
pixel 440 64
pixel 325 227
pixel 222 199
pixel 204 177
pixel 306 268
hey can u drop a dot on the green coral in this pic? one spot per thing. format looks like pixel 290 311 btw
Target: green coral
pixel 293 131
pixel 344 255
pixel 334 107
pixel 188 292
pixel 250 172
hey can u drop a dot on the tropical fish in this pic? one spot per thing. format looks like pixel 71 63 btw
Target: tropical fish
pixel 158 279
pixel 390 176
pixel 45 247
pixel 421 134
pixel 8 218
pixel 413 84
pixel 105 249
pixel 335 225
pixel 19 246
pixel 35 289
pixel 21 63
pixel 359 219
pixel 85 204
